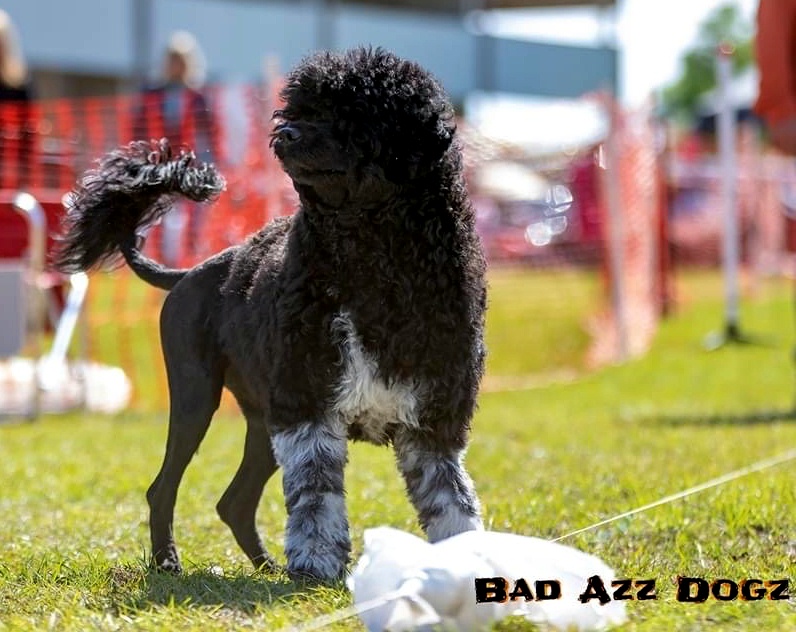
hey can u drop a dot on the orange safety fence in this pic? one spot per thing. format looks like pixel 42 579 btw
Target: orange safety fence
pixel 636 266
pixel 616 225
pixel 45 145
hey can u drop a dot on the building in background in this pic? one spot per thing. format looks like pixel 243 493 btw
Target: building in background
pixel 100 47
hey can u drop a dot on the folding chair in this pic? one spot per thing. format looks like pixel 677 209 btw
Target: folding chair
pixel 33 297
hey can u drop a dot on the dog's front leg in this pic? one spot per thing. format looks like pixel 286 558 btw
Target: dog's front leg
pixel 439 487
pixel 313 457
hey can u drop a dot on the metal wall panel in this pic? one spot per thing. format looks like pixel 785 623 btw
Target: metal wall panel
pixel 95 36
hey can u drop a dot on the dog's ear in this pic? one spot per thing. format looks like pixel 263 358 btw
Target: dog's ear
pixel 435 146
pixel 419 151
pixel 443 137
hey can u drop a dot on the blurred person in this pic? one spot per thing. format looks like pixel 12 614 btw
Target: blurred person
pixel 15 109
pixel 177 109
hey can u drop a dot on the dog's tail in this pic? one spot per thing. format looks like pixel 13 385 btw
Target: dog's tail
pixel 131 188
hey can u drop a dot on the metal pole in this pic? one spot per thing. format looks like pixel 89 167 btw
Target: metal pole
pixel 608 38
pixel 28 206
pixel 731 247
pixel 475 12
pixel 142 28
pixel 485 45
pixel 325 34
pixel 56 358
pixel 727 153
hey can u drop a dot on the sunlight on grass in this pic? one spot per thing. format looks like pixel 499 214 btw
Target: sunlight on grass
pixel 536 322
pixel 74 538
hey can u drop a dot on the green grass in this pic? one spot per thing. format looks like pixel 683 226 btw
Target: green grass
pixel 548 460
pixel 537 320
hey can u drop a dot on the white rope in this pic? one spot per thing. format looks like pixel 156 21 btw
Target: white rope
pixel 352 611
pixel 345 613
pixel 765 464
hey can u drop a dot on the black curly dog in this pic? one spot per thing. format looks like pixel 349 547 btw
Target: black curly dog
pixel 359 317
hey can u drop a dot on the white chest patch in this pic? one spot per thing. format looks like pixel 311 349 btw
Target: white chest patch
pixel 362 397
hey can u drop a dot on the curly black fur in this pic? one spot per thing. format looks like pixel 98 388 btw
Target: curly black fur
pixel 131 188
pixel 359 317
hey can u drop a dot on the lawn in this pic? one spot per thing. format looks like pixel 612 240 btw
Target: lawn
pixel 547 460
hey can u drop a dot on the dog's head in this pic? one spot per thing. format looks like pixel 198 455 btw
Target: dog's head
pixel 357 126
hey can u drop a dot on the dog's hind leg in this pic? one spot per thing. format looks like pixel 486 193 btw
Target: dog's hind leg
pixel 194 398
pixel 313 457
pixel 195 378
pixel 238 506
pixel 439 487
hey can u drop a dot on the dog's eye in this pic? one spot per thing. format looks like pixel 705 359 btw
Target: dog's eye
pixel 279 116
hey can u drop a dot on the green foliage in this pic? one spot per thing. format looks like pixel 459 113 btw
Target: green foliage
pixel 74 539
pixel 724 26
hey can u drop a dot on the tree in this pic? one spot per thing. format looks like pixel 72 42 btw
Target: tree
pixel 725 25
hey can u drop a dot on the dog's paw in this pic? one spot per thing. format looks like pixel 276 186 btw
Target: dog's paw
pixel 266 564
pixel 172 568
pixel 317 568
pixel 167 563
pixel 313 577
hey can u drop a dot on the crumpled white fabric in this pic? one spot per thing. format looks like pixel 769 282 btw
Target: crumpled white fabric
pixel 404 583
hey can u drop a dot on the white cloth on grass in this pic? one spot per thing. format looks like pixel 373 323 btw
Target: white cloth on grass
pixel 434 584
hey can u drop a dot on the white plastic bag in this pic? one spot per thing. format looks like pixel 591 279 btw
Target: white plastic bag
pixel 402 582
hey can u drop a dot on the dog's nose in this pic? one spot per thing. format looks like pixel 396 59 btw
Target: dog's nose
pixel 288 133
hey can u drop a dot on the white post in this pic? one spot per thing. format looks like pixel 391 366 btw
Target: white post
pixel 29 207
pixel 54 362
pixel 727 142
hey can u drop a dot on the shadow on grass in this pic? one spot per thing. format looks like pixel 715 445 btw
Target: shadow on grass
pixel 747 418
pixel 135 588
